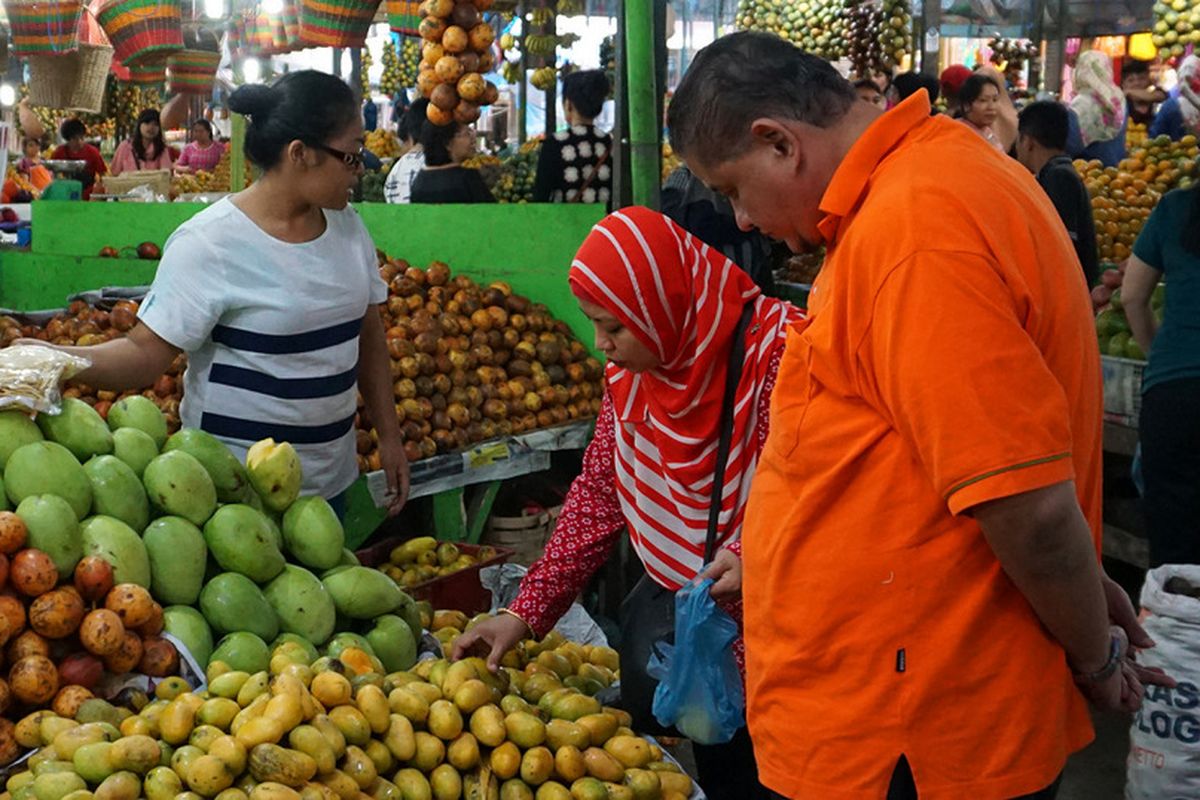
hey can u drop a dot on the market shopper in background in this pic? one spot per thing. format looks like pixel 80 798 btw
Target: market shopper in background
pixel 909 83
pixel 666 309
pixel 146 149
pixel 1179 116
pixel 1042 149
pixel 398 186
pixel 987 110
pixel 272 293
pixel 75 148
pixel 1169 427
pixel 201 153
pixel 952 79
pixel 868 91
pixel 924 606
pixel 444 179
pixel 1098 118
pixel 575 165
pixel 1141 96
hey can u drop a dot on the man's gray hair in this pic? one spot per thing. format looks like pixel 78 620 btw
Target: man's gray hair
pixel 742 77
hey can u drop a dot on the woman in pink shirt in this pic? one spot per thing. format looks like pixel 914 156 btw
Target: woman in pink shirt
pixel 202 153
pixel 146 149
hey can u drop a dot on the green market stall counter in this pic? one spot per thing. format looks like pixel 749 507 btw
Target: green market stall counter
pixel 528 246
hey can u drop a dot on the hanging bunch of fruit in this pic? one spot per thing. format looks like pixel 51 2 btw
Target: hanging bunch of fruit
pixel 1176 25
pixel 541 46
pixel 571 8
pixel 456 55
pixel 364 72
pixel 389 82
pixel 816 26
pixel 880 37
pixel 1012 51
pixel 410 62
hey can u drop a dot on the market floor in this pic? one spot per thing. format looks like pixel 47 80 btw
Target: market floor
pixel 1097 773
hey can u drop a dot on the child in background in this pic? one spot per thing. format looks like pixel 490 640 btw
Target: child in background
pixel 32 157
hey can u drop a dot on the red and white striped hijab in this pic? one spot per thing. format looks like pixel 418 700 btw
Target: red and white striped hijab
pixel 682 299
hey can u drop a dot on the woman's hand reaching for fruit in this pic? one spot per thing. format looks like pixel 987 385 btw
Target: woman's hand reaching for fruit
pixel 496 636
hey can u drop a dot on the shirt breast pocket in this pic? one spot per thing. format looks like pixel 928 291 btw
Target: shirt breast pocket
pixel 792 398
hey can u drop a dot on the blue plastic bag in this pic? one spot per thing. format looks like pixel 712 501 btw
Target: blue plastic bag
pixel 700 690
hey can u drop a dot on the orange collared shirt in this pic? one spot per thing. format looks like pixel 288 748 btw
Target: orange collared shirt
pixel 949 359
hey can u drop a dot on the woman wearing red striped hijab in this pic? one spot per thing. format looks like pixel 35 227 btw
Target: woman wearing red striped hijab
pixel 665 308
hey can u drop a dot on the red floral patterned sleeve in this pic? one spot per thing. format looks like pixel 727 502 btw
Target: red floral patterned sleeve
pixel 589 525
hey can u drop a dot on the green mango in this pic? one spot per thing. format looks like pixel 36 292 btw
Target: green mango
pixel 302 604
pixel 16 430
pixel 313 534
pixel 179 485
pixel 348 558
pixel 177 555
pixel 232 602
pixel 227 473
pixel 120 546
pixel 344 641
pixel 117 492
pixel 4 504
pixel 189 626
pixel 362 592
pixel 78 428
pixel 241 540
pixel 411 614
pixel 48 468
pixel 135 448
pixel 393 642
pixel 243 651
pixel 140 413
pixel 53 529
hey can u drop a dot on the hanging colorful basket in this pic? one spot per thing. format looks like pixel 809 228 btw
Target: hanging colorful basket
pixel 192 71
pixel 139 29
pixel 44 27
pixel 148 74
pixel 336 23
pixel 291 25
pixel 404 16
pixel 237 37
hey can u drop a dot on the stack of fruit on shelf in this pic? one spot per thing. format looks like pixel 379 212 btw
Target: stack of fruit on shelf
pixel 227 550
pixel 517 175
pixel 817 26
pixel 456 56
pixel 1176 25
pixel 1136 134
pixel 1123 196
pixel 879 37
pixel 670 161
pixel 1112 328
pixel 330 728
pixel 475 362
pixel 216 181
pixel 83 325
pixel 383 143
pixel 424 558
pixel 1012 51
pixel 370 187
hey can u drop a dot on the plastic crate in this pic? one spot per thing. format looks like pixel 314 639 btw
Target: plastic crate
pixel 459 591
pixel 1122 389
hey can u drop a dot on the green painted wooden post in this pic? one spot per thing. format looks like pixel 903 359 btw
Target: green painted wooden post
pixel 449 516
pixel 237 155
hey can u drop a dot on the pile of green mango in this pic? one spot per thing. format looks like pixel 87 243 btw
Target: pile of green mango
pixel 239 560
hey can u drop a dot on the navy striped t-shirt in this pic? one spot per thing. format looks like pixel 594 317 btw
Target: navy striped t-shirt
pixel 271 332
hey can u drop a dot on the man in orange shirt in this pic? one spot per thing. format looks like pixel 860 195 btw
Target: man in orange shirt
pixel 923 596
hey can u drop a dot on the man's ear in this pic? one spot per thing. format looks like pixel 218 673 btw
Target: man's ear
pixel 772 133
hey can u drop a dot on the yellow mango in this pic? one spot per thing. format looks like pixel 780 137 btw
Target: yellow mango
pixel 675 782
pixel 331 689
pixel 286 709
pixel 463 753
pixel 445 783
pixel 162 783
pixel 252 711
pixel 589 789
pixel 487 725
pixel 50 727
pixel 473 694
pixel 445 720
pixel 537 765
pixel 552 790
pixel 270 763
pixel 569 764
pixel 409 704
pixel 138 726
pixel 233 793
pixel 341 784
pixel 413 785
pixel 70 740
pixel 426 690
pixel 515 789
pixel 138 754
pixel 204 735
pixel 602 765
pixel 400 738
pixel 228 684
pixel 646 784
pixel 218 712
pixel 380 756
pixel 600 727
pixel 260 730
pixel 505 761
pixel 525 730
pixel 332 734
pixel 359 766
pixel 176 723
pixel 208 777
pixel 632 751
pixel 430 752
pixel 561 733
pixel 353 725
pixel 231 752
pixel 183 757
pixel 274 791
pixel 316 791
pixel 308 740
pixel 256 685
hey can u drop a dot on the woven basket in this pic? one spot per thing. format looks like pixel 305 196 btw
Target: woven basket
pixel 192 71
pixel 336 23
pixel 148 74
pixel 237 36
pixel 291 25
pixel 138 29
pixel 73 81
pixel 41 27
pixel 404 16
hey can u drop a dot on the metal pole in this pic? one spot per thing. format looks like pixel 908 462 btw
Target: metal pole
pixel 642 92
pixel 523 87
pixel 622 196
pixel 930 44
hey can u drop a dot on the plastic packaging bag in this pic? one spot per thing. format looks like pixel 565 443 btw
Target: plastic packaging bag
pixel 700 690
pixel 31 377
pixel 1164 740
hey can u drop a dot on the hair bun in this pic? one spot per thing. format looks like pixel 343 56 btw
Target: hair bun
pixel 253 100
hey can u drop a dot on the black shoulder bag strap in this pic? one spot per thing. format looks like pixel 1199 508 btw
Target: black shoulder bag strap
pixel 733 376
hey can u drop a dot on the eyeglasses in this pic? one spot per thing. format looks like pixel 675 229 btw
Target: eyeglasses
pixel 351 160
